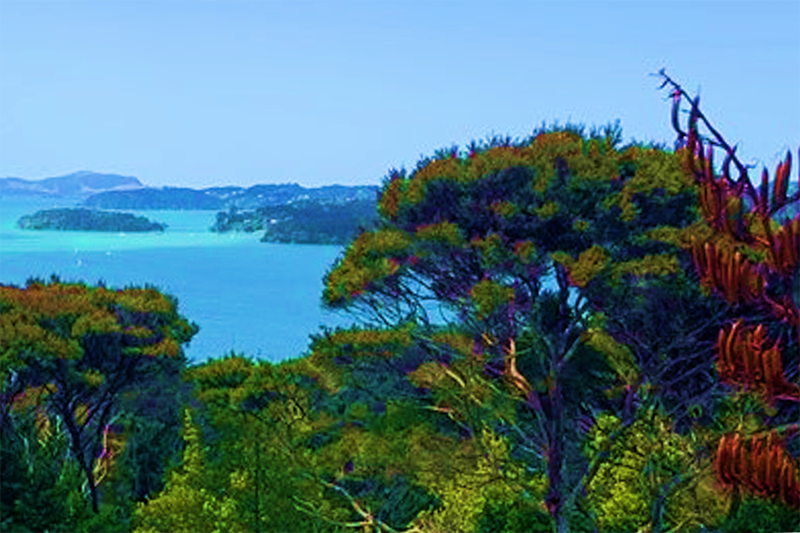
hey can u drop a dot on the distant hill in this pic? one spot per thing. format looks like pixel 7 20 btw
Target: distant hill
pixel 78 184
pixel 224 198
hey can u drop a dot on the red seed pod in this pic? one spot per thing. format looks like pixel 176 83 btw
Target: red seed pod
pixel 751 361
pixel 735 462
pixel 788 483
pixel 788 244
pixel 759 457
pixel 724 360
pixel 744 467
pixel 763 193
pixel 722 461
pixel 773 468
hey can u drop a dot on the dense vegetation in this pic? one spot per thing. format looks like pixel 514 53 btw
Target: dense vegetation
pixel 303 222
pixel 655 389
pixel 87 220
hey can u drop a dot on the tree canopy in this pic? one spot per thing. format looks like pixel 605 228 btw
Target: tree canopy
pixel 81 357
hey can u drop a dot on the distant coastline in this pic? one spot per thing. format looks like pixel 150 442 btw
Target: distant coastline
pixel 304 222
pixel 285 213
pixel 225 198
pixel 79 219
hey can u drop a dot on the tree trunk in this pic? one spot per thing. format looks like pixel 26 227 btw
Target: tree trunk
pixel 555 455
pixel 77 450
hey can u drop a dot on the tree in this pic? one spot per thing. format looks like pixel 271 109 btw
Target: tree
pixel 263 474
pixel 73 351
pixel 479 233
pixel 186 505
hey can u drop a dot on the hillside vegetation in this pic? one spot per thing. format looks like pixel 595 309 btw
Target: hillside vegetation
pixel 654 389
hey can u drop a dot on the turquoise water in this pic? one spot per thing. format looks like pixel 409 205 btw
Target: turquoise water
pixel 257 298
pixel 260 299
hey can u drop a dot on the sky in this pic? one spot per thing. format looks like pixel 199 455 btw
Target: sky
pixel 205 93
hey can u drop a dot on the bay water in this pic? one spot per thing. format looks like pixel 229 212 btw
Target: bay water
pixel 259 299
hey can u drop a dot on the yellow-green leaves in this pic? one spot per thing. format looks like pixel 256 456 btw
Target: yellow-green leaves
pixel 654 265
pixel 187 505
pixel 488 296
pixel 618 355
pixel 547 210
pixel 441 231
pixel 643 458
pixel 367 260
pixel 590 263
pixel 478 472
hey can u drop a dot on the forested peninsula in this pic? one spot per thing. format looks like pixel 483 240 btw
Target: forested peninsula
pixel 654 389
pixel 88 220
pixel 303 222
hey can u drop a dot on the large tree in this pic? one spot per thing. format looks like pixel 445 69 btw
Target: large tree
pixel 483 234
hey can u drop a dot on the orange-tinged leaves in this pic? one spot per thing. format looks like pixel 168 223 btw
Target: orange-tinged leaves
pixel 503 208
pixel 389 203
pixel 167 347
pixel 524 250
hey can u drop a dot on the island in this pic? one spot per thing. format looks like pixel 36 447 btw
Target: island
pixel 303 222
pixel 88 220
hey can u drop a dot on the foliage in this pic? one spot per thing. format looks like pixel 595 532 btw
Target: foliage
pixel 618 353
pixel 186 505
pixel 73 355
pixel 646 474
pixel 762 516
pixel 479 233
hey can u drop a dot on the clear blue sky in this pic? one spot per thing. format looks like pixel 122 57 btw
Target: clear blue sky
pixel 202 93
